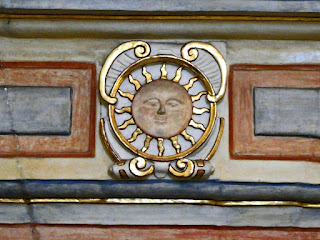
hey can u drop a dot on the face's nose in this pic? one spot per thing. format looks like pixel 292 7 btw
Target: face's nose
pixel 161 110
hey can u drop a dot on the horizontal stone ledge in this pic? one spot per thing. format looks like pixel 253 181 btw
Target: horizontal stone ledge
pixel 159 214
pixel 165 29
pixel 174 214
pixel 206 190
pixel 162 6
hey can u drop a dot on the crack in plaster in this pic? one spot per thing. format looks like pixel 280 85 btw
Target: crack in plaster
pixel 18 161
pixel 11 118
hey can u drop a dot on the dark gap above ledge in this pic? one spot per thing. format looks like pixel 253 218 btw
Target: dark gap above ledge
pixel 163 7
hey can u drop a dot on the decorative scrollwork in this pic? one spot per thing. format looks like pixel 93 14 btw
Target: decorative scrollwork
pixel 190 53
pixel 166 159
pixel 142 49
pixel 185 166
pixel 137 164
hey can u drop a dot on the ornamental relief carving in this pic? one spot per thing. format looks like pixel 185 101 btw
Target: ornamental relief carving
pixel 160 109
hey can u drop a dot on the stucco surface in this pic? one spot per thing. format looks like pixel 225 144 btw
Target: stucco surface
pixel 96 51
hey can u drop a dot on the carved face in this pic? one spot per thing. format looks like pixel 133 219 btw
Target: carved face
pixel 162 108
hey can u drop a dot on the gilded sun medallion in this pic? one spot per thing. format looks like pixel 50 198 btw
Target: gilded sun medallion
pixel 162 109
pixel 161 119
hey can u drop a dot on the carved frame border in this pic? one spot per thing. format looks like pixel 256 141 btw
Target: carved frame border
pixel 89 150
pixel 243 144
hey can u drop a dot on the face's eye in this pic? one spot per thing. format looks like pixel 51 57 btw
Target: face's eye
pixel 173 103
pixel 152 102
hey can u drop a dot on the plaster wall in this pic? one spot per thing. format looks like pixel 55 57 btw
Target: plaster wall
pixel 96 51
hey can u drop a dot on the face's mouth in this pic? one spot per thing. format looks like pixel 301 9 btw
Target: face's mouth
pixel 160 121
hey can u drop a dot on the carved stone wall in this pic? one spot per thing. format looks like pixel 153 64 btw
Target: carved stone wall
pixel 55 162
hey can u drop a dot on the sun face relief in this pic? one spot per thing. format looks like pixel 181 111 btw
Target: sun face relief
pixel 161 112
pixel 162 108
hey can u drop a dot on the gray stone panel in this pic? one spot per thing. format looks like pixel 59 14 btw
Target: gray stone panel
pixel 5 118
pixel 159 214
pixel 287 112
pixel 14 213
pixel 174 214
pixel 36 110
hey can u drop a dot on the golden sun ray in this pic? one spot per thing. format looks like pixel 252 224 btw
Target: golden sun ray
pixel 127 95
pixel 198 96
pixel 127 123
pixel 190 84
pixel 175 144
pixel 164 72
pixel 146 74
pixel 188 137
pixel 134 82
pixel 123 110
pixel 160 146
pixel 197 125
pixel 178 75
pixel 146 143
pixel 199 111
pixel 135 134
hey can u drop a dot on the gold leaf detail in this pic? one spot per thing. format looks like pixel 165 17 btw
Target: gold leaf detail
pixel 190 84
pixel 127 95
pixel 175 144
pixel 146 74
pixel 135 134
pixel 200 110
pixel 137 164
pixel 146 143
pixel 134 82
pixel 188 137
pixel 178 75
pixel 185 165
pixel 160 146
pixel 164 72
pixel 126 123
pixel 198 96
pixel 123 110
pixel 197 125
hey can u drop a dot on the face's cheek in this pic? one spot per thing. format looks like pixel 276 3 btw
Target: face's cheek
pixel 176 114
pixel 147 114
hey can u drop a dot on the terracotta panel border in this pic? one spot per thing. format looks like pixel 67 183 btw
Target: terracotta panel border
pixel 95 232
pixel 243 144
pixel 81 141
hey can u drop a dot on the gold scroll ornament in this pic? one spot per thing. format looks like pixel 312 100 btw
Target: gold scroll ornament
pixel 184 167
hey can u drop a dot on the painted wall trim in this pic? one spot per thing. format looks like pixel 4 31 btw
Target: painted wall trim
pixel 167 28
pixel 198 190
pixel 165 7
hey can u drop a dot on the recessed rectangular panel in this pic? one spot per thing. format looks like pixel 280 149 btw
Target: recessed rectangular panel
pixel 36 110
pixel 274 112
pixel 5 119
pixel 47 109
pixel 287 112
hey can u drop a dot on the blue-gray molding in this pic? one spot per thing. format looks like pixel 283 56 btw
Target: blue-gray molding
pixel 207 190
pixel 159 214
